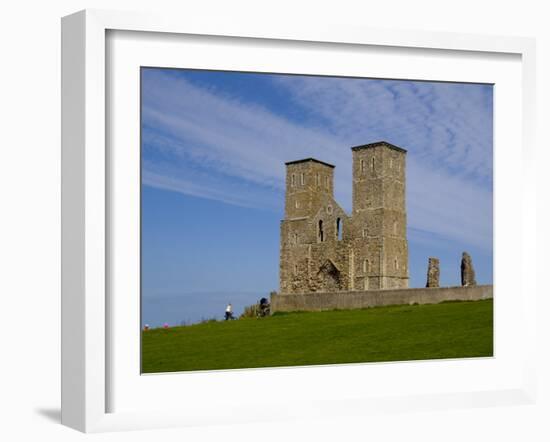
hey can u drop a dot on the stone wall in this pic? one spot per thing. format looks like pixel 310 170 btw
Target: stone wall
pixel 374 298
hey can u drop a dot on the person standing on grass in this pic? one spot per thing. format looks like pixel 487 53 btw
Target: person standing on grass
pixel 229 312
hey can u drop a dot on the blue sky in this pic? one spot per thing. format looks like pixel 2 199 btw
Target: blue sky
pixel 214 146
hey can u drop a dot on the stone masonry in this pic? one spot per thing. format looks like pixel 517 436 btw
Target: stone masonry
pixel 433 273
pixel 376 298
pixel 468 275
pixel 323 249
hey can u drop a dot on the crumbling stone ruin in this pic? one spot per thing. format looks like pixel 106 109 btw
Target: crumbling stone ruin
pixel 468 274
pixel 433 272
pixel 323 249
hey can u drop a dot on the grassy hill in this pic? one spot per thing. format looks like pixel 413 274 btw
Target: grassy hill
pixel 395 333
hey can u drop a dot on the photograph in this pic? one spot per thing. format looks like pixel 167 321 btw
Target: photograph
pixel 303 220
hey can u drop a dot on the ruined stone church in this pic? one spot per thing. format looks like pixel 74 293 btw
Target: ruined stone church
pixel 323 249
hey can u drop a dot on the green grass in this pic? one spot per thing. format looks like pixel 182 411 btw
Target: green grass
pixel 396 333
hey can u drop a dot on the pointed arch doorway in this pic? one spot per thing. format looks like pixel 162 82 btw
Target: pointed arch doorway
pixel 329 277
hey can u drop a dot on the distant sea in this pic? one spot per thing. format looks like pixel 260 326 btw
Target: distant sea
pixel 191 308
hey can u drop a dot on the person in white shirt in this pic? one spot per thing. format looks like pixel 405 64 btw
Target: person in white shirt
pixel 229 312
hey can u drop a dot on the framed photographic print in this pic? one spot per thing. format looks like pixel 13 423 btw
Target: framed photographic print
pixel 275 209
pixel 226 155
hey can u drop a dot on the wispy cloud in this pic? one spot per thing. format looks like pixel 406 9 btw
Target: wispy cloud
pixel 195 183
pixel 204 142
pixel 442 124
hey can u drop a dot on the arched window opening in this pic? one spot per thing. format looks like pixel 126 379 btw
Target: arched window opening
pixel 318 180
pixel 302 179
pixel 362 166
pixel 293 180
pixel 320 233
pixel 366 266
pixel 295 269
pixel 395 264
pixel 364 233
pixel 295 238
pixel 339 229
pixel 372 163
pixel 297 204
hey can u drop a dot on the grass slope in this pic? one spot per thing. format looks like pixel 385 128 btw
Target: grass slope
pixel 396 333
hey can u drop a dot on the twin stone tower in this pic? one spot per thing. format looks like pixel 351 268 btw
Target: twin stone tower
pixel 323 249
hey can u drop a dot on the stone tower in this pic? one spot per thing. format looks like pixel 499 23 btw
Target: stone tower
pixel 314 248
pixel 379 216
pixel 322 248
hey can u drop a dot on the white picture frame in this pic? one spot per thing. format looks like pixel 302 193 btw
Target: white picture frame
pixel 86 204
